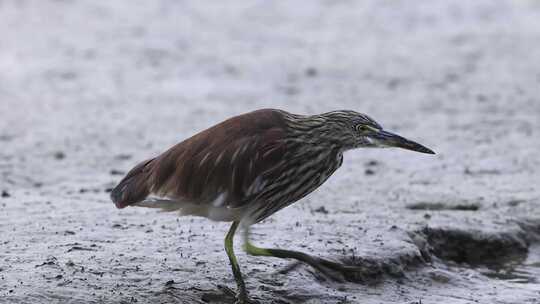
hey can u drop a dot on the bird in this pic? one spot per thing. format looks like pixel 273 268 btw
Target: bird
pixel 250 166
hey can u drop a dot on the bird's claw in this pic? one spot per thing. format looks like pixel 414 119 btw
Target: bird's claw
pixel 338 272
pixel 244 299
pixel 240 297
pixel 330 270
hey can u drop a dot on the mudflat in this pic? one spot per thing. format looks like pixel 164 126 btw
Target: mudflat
pixel 88 89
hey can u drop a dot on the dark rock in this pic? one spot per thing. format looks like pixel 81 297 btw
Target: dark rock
pixel 51 261
pixel 443 206
pixel 116 172
pixel 369 172
pixel 393 83
pixel 123 157
pixel 481 98
pixel 514 203
pixel 291 90
pixel 468 171
pixel 79 248
pixel 59 155
pixel 372 163
pixel 311 72
pixel 451 77
pixel 321 209
pixel 4 137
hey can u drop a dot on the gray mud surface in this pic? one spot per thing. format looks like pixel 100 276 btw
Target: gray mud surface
pixel 89 88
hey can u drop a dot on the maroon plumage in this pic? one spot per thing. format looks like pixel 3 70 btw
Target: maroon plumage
pixel 226 158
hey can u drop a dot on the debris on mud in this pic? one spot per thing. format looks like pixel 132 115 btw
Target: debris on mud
pixel 59 155
pixel 443 206
pixel 321 209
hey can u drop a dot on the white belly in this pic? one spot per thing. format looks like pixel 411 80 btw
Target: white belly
pixel 215 212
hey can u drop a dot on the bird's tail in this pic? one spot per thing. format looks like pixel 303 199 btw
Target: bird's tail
pixel 134 187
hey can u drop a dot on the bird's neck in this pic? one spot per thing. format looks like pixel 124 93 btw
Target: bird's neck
pixel 315 130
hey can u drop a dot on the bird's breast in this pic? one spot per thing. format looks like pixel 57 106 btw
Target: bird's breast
pixel 304 174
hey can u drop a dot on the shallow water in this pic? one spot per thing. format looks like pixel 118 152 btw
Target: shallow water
pixel 521 270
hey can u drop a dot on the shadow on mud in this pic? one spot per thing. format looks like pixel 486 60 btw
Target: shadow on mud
pixel 504 256
pixel 519 269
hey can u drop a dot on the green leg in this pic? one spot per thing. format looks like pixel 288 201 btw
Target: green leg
pixel 241 294
pixel 333 270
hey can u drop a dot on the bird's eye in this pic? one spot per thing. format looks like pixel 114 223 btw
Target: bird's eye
pixel 363 128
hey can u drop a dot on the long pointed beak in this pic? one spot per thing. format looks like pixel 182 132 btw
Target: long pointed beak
pixel 388 139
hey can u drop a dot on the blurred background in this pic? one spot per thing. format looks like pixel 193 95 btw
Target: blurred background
pixel 89 88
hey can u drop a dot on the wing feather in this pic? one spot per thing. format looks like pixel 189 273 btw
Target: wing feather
pixel 225 164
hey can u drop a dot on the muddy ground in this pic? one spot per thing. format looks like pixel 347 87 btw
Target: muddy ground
pixel 87 89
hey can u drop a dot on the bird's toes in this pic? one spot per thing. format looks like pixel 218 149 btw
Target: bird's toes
pixel 292 266
pixel 245 300
pixel 226 290
pixel 341 272
pixel 330 270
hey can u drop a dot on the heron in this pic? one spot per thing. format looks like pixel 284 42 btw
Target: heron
pixel 250 166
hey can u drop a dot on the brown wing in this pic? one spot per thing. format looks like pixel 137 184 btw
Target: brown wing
pixel 222 161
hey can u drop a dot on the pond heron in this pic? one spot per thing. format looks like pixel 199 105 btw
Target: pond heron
pixel 250 166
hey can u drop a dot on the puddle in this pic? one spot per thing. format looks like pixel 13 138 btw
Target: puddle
pixel 524 270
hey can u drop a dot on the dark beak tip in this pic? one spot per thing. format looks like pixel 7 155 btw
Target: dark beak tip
pixel 429 151
pixel 421 149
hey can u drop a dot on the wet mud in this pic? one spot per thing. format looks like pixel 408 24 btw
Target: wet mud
pixel 88 89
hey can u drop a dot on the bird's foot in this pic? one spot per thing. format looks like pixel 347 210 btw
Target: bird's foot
pixel 242 298
pixel 239 298
pixel 331 270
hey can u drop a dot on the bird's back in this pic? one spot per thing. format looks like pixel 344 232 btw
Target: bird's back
pixel 217 166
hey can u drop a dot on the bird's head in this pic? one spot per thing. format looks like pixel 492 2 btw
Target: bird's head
pixel 356 130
